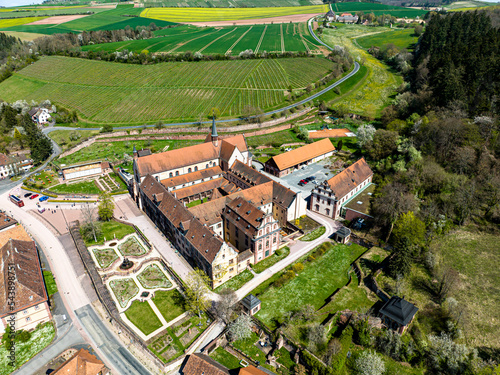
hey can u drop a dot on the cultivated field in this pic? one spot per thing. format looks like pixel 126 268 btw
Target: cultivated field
pixel 189 15
pixel 229 3
pixel 377 9
pixel 124 93
pixel 400 38
pixel 230 40
pixel 17 21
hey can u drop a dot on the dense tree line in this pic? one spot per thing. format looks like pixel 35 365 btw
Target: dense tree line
pixel 458 60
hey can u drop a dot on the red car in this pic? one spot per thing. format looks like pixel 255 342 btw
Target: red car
pixel 34 196
pixel 304 182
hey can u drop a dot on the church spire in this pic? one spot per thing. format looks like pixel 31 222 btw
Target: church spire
pixel 215 136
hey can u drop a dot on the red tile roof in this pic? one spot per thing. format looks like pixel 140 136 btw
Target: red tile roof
pixel 347 180
pixel 81 363
pixel 198 364
pixel 302 154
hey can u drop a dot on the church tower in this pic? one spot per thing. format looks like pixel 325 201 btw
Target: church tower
pixel 215 136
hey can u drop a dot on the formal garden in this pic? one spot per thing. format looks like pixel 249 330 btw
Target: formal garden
pixel 105 257
pixel 124 289
pixel 131 247
pixel 153 277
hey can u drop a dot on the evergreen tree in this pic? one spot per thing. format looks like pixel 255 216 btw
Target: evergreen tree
pixel 400 263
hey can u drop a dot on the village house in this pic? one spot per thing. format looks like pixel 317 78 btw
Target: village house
pixel 40 115
pixel 28 307
pixel 332 195
pixel 242 214
pixel 287 162
pixel 82 363
pixel 330 16
pixel 347 18
pixel 11 165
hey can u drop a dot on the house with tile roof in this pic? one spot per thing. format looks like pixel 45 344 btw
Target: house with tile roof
pixel 82 363
pixel 332 195
pixel 287 162
pixel 198 364
pixel 11 165
pixel 28 306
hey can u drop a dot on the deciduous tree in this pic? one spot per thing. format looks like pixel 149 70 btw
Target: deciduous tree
pixel 197 291
pixel 106 206
pixel 241 328
pixel 223 307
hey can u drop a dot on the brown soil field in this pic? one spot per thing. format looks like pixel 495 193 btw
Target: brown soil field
pixel 330 133
pixel 259 21
pixel 56 20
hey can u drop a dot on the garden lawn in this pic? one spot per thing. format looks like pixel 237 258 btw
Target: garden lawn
pixel 247 346
pixel 83 187
pixel 50 283
pixel 306 223
pixel 62 137
pixel 274 139
pixel 225 358
pixel 272 260
pixel 110 230
pixel 40 338
pixel 313 285
pixel 236 282
pixel 171 303
pixel 42 180
pixel 318 232
pixel 143 317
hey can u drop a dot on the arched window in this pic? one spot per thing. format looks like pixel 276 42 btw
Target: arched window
pixel 170 174
pixel 189 170
pixel 195 168
pixel 206 166
pixel 176 173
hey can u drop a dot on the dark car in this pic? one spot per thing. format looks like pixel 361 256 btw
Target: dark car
pixel 28 195
pixel 310 178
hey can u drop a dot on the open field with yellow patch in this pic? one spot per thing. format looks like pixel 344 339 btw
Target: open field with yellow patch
pixel 380 83
pixel 23 36
pixel 227 14
pixel 18 21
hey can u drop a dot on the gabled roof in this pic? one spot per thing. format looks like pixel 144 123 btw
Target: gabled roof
pixel 347 180
pixel 191 177
pixel 248 174
pixel 226 150
pixel 210 212
pixel 174 159
pixel 32 111
pixel 81 363
pixel 198 364
pixel 250 302
pixel 144 152
pixel 302 154
pixel 30 287
pixel 204 240
pixel 330 13
pixel 252 370
pixel 399 310
pixel 282 195
pixel 202 187
pixel 244 215
pixel 236 140
pixel 6 221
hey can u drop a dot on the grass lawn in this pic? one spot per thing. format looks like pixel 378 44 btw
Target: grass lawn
pixel 50 283
pixel 83 187
pixel 313 285
pixel 474 255
pixel 284 357
pixel 62 137
pixel 194 203
pixel 348 143
pixel 236 282
pixel 40 338
pixel 170 303
pixel 42 180
pixel 318 232
pixel 143 317
pixel 110 229
pixel 247 346
pixel 225 358
pixel 380 83
pixel 273 139
pixel 392 367
pixel 272 260
pixel 400 38
pixel 131 247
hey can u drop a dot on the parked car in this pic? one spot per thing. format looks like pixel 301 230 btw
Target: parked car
pixel 301 183
pixel 310 178
pixel 28 195
pixel 43 198
pixel 304 182
pixel 34 196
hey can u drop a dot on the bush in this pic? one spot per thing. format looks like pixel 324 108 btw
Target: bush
pixel 23 336
pixel 278 252
pixel 310 258
pixel 338 361
pixel 298 267
pixel 369 363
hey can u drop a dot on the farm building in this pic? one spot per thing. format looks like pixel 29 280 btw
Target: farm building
pixel 30 301
pixel 347 18
pixel 87 169
pixel 239 219
pixel 40 115
pixel 397 314
pixel 337 192
pixel 283 164
pixel 330 16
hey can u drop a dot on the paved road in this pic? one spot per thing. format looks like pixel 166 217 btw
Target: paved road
pixel 296 251
pixel 75 299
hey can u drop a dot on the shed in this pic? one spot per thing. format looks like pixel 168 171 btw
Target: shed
pixel 397 313
pixel 251 304
pixel 343 235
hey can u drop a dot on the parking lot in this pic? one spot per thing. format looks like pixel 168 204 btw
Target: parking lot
pixel 317 170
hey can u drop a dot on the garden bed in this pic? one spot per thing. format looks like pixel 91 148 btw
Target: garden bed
pixel 153 277
pixel 311 236
pixel 272 260
pixel 236 282
pixel 105 257
pixel 131 247
pixel 124 289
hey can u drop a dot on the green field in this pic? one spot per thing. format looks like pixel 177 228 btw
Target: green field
pixel 400 38
pixel 377 9
pixel 290 37
pixel 379 84
pixel 84 187
pixel 143 317
pixel 104 92
pixel 227 14
pixel 229 3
